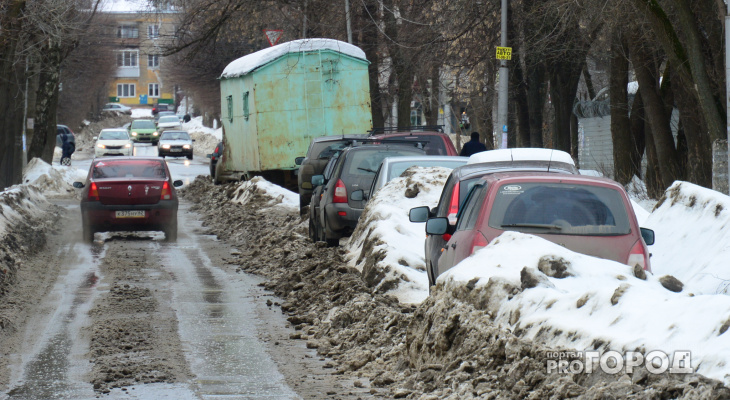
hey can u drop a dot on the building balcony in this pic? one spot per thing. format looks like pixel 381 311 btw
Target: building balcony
pixel 127 72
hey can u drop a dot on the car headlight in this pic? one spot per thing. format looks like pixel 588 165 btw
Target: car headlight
pixel 134 133
pixel 186 146
pixel 165 146
pixel 101 146
pixel 154 134
pixel 128 145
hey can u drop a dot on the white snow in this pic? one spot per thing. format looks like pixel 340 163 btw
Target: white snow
pixel 386 220
pixel 279 196
pixel 248 63
pixel 17 203
pixel 142 113
pixel 52 179
pixel 196 125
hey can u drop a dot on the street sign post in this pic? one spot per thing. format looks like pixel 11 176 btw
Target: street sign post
pixel 273 35
pixel 504 53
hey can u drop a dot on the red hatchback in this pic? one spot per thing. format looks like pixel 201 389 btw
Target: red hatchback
pixel 585 214
pixel 129 194
pixel 436 143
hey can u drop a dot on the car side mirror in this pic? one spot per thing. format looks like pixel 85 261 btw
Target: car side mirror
pixel 648 236
pixel 78 185
pixel 358 195
pixel 193 140
pixel 419 214
pixel 437 226
pixel 209 156
pixel 317 180
pixel 94 138
pixel 298 160
pixel 177 183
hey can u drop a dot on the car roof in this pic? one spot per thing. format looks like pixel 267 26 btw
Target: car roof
pixel 175 131
pixel 422 158
pixel 133 158
pixel 551 177
pixel 382 147
pixel 339 138
pixel 113 130
pixel 522 154
pixel 469 170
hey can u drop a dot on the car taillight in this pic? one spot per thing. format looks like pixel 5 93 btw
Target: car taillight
pixel 454 205
pixel 93 192
pixel 340 192
pixel 639 255
pixel 479 242
pixel 166 192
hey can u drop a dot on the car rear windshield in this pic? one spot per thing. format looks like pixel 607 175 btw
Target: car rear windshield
pixel 397 168
pixel 150 169
pixel 559 208
pixel 114 135
pixel 143 124
pixel 367 162
pixel 174 136
pixel 433 144
pixel 169 118
pixel 325 150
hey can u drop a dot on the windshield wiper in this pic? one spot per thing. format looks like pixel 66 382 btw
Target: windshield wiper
pixel 544 226
pixel 366 169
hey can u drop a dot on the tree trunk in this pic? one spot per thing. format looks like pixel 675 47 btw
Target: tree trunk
pixel 431 110
pixel 536 102
pixel 521 106
pixel 638 136
pixel 564 78
pixel 656 115
pixel 44 139
pixel 620 125
pixel 369 45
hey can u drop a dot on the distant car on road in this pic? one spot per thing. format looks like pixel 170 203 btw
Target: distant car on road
pixel 144 130
pixel 165 114
pixel 585 214
pixel 129 194
pixel 169 122
pixel 175 144
pixel 113 142
pixel 162 107
pixel 214 156
pixel 117 108
pixel 61 129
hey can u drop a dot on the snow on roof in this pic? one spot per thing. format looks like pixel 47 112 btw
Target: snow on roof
pixel 132 6
pixel 521 154
pixel 251 62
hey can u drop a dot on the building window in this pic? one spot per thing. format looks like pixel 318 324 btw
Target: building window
pixel 245 105
pixel 125 90
pixel 127 58
pixel 128 31
pixel 153 31
pixel 153 60
pixel 154 90
pixel 229 100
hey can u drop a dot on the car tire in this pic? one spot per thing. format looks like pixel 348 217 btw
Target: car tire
pixel 87 234
pixel 171 231
pixel 190 156
pixel 330 242
pixel 312 230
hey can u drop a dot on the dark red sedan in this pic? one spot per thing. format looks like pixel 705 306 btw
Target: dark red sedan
pixel 129 194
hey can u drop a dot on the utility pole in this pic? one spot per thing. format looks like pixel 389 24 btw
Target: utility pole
pixel 347 17
pixel 503 82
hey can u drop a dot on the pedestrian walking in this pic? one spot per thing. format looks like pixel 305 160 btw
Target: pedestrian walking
pixel 473 146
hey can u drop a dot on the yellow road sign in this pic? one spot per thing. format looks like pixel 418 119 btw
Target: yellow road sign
pixel 504 53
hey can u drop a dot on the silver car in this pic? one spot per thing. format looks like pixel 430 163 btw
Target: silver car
pixel 175 144
pixel 392 167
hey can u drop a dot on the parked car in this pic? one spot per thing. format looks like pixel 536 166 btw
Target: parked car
pixel 169 122
pixel 143 130
pixel 437 143
pixel 316 233
pixel 175 144
pixel 463 178
pixel 117 108
pixel 113 142
pixel 214 156
pixel 129 194
pixel 392 167
pixel 319 152
pixel 355 169
pixel 586 214
pixel 71 137
pixel 162 107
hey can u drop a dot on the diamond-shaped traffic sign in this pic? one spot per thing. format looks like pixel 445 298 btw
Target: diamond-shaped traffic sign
pixel 273 35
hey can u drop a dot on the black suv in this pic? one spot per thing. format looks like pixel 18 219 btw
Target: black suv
pixel 355 169
pixel 320 151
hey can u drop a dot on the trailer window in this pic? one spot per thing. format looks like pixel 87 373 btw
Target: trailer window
pixel 245 105
pixel 229 99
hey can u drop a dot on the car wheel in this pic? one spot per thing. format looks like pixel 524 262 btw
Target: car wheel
pixel 190 156
pixel 330 242
pixel 87 234
pixel 171 231
pixel 312 230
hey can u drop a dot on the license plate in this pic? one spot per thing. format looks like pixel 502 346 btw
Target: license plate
pixel 175 150
pixel 130 214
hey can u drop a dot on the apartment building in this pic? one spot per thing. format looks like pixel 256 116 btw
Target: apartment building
pixel 139 37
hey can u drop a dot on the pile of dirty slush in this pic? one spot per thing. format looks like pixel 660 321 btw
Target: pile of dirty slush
pixel 447 347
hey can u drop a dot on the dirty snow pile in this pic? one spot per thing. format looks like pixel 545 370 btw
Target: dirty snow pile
pixel 52 180
pixel 693 239
pixel 386 246
pixel 18 204
pixel 279 196
pixel 195 125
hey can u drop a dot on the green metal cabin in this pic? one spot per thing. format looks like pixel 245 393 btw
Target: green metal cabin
pixel 274 101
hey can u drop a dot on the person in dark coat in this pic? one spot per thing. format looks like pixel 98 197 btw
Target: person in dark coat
pixel 67 148
pixel 473 146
